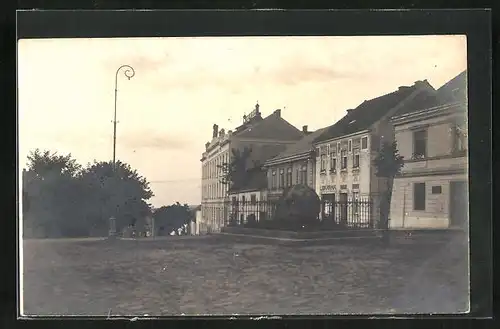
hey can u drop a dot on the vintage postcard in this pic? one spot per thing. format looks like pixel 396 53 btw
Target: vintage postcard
pixel 244 175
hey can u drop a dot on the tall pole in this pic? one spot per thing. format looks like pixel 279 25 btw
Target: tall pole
pixel 129 73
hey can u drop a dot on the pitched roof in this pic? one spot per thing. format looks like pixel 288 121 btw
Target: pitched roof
pixel 367 113
pixel 261 153
pixel 271 127
pixel 454 90
pixel 302 146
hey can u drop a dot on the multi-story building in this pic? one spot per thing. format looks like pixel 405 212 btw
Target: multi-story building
pixel 431 192
pixel 264 136
pixel 345 152
pixel 295 165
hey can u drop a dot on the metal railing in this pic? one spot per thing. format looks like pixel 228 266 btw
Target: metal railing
pixel 350 213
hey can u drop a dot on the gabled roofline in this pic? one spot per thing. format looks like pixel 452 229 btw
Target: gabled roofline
pixel 432 111
pixel 290 158
pixel 326 141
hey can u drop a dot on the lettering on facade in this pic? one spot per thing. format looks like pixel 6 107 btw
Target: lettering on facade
pixel 328 188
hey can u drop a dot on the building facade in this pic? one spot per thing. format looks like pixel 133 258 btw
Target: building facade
pixel 345 177
pixel 295 165
pixel 431 192
pixel 266 137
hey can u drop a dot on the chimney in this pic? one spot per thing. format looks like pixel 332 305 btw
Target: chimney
pixel 257 111
pixel 304 129
pixel 215 130
pixel 222 132
pixel 403 87
pixel 421 83
pixel 278 113
pixel 349 111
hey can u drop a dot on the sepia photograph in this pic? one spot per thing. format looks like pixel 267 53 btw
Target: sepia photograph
pixel 249 175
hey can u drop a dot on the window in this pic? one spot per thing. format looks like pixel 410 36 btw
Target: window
pixel 459 138
pixel 436 190
pixel 234 200
pixel 355 186
pixel 243 200
pixel 282 179
pixel 419 196
pixel 297 176
pixel 253 199
pixel 289 177
pixel 333 164
pixel 420 144
pixel 317 152
pixel 323 162
pixel 350 146
pixel 273 179
pixel 333 160
pixel 343 154
pixel 303 175
pixel 364 143
pixel 355 159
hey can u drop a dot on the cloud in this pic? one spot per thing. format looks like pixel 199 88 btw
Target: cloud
pixel 151 140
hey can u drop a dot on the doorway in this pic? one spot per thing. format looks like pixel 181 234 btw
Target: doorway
pixel 328 206
pixel 459 204
pixel 343 207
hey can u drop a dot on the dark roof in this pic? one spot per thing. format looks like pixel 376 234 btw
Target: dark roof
pixel 271 127
pixel 366 114
pixel 302 146
pixel 454 90
pixel 261 153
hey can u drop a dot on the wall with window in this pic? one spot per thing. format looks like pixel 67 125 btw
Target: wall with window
pixel 432 137
pixel 248 203
pixel 422 202
pixel 344 166
pixel 289 174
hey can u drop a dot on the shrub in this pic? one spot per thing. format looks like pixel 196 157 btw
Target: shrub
pixel 299 206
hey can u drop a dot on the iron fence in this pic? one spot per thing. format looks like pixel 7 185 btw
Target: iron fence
pixel 351 212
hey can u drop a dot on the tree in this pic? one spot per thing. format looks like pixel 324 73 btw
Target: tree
pixel 388 164
pixel 60 198
pixel 172 218
pixel 121 194
pixel 234 171
pixel 50 191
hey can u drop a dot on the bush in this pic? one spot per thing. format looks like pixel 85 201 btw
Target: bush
pixel 299 206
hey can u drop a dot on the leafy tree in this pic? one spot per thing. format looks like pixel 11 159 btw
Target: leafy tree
pixel 388 164
pixel 50 190
pixel 172 218
pixel 60 198
pixel 234 172
pixel 121 193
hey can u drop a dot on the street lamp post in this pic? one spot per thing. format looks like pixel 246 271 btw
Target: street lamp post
pixel 129 72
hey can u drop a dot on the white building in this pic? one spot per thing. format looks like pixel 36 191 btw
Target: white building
pixel 265 136
pixel 345 177
pixel 432 189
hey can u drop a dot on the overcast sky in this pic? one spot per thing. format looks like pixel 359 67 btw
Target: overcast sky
pixel 183 86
